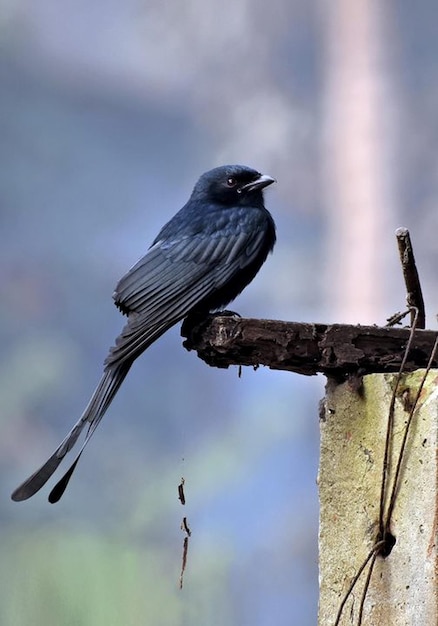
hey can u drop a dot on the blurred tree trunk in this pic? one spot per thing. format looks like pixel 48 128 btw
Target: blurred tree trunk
pixel 357 177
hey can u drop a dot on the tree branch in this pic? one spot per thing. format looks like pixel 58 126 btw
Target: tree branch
pixel 336 350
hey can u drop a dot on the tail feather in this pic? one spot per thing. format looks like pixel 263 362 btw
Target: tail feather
pixel 100 401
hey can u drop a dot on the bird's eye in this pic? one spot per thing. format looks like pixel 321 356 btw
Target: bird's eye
pixel 231 182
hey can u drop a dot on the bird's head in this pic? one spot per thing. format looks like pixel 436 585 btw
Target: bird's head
pixel 231 185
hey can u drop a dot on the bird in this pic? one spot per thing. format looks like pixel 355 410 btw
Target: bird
pixel 200 261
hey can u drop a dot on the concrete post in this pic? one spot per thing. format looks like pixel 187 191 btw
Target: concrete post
pixel 404 586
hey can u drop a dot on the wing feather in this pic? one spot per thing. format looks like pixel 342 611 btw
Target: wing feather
pixel 183 274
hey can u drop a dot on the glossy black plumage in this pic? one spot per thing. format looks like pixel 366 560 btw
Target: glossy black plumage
pixel 200 261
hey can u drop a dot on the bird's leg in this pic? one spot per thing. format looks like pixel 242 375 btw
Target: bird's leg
pixel 194 324
pixel 194 321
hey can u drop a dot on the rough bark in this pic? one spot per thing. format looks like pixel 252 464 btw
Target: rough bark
pixel 336 350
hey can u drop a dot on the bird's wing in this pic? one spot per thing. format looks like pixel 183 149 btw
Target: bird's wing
pixel 166 284
pixel 157 292
pixel 171 267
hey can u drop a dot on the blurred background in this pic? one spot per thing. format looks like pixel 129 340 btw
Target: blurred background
pixel 109 112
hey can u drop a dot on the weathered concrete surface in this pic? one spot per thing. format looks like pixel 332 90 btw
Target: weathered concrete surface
pixel 404 586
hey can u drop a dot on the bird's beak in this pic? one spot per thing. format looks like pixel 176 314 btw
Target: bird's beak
pixel 259 183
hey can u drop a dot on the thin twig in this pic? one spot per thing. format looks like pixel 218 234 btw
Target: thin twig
pixel 396 318
pixel 181 494
pixel 405 437
pixel 414 295
pixel 373 552
pixel 184 561
pixel 365 589
pixel 389 428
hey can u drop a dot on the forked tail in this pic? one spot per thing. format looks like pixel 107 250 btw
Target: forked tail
pixel 100 401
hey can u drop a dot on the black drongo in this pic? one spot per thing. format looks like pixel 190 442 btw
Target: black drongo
pixel 200 261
